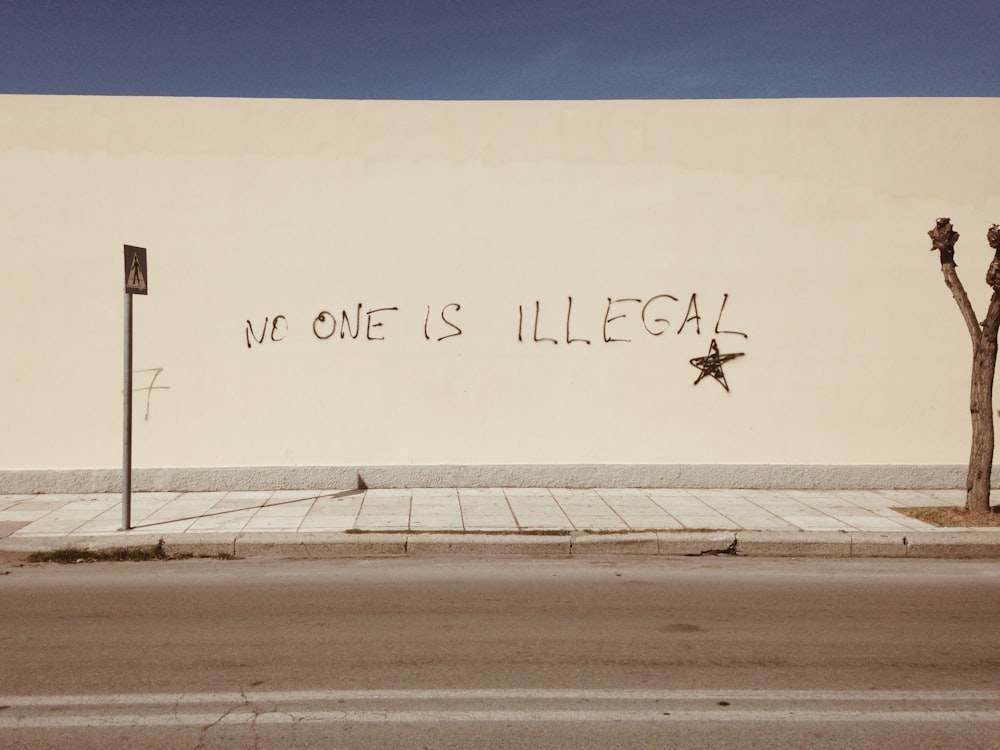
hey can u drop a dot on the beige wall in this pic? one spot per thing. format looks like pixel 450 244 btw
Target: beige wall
pixel 808 217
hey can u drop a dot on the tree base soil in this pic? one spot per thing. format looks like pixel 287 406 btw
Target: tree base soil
pixel 953 516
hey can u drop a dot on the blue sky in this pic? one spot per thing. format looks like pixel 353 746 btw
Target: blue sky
pixel 501 49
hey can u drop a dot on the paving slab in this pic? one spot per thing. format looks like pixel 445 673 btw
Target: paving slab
pixel 707 522
pixel 879 545
pixel 653 523
pixel 970 544
pixel 9 527
pixel 643 543
pixel 793 544
pixel 319 545
pixel 694 543
pixel 489 544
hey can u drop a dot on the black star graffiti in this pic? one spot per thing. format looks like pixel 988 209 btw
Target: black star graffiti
pixel 711 365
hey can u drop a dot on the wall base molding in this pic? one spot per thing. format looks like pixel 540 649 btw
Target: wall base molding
pixel 681 476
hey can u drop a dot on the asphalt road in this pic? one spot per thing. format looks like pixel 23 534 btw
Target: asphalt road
pixel 453 652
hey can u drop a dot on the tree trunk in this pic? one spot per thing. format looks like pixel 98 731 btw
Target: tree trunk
pixel 984 361
pixel 984 365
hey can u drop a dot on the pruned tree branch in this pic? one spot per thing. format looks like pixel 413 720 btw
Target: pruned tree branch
pixel 943 239
pixel 991 323
pixel 952 281
pixel 993 273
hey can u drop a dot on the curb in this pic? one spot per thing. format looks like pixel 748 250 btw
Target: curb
pixel 969 544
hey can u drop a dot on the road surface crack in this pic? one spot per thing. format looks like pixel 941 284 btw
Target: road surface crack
pixel 730 550
pixel 253 720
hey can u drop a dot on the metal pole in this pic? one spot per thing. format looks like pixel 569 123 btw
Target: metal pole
pixel 127 421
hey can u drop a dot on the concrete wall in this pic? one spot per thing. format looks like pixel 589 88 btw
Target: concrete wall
pixel 504 284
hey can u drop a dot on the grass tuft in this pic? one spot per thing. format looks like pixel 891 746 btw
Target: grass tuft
pixel 72 555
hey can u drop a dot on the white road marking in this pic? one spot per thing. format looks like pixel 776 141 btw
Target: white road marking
pixel 498 694
pixel 507 717
pixel 384 706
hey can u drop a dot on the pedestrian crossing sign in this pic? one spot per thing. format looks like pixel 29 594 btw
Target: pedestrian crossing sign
pixel 135 270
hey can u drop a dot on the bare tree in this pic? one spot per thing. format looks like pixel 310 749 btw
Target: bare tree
pixel 984 359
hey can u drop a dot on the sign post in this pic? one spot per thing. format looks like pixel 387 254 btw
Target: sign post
pixel 135 283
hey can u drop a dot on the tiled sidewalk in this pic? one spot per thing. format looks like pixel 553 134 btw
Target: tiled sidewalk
pixel 470 510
